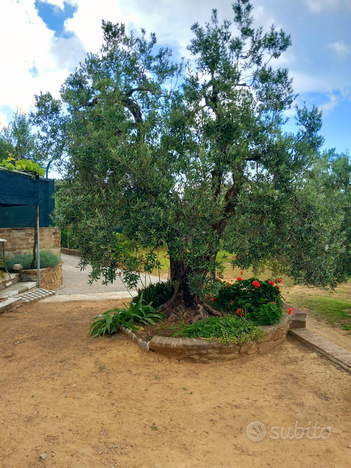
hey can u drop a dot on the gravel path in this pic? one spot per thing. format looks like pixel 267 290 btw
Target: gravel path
pixel 76 281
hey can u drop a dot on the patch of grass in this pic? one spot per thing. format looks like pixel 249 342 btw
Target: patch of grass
pixel 333 310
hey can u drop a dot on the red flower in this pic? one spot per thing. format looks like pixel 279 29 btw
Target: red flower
pixel 241 272
pixel 271 282
pixel 239 279
pixel 119 273
pixel 290 311
pixel 277 286
pixel 207 295
pixel 213 299
pixel 272 302
pixel 232 302
pixel 219 279
pixel 256 284
pixel 240 312
pixel 279 280
pixel 228 285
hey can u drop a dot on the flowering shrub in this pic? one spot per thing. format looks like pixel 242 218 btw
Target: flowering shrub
pixel 247 296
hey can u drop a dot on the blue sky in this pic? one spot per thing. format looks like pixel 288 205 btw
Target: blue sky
pixel 50 38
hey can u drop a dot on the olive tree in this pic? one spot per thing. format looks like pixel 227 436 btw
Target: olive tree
pixel 194 157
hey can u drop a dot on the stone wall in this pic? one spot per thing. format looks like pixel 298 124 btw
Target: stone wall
pixel 199 350
pixel 66 251
pixel 21 240
pixel 50 278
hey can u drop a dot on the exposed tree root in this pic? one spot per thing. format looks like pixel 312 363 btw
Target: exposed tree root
pixel 198 311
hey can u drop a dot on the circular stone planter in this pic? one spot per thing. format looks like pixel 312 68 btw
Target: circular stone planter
pixel 200 350
pixel 50 278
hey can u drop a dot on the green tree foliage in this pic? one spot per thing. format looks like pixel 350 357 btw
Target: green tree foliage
pixel 18 140
pixel 194 157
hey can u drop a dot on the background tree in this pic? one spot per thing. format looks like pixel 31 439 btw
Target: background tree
pixel 18 140
pixel 197 164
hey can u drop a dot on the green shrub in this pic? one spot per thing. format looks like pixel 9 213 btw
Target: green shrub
pixel 68 238
pixel 226 330
pixel 266 314
pixel 157 293
pixel 138 312
pixel 47 260
pixel 244 295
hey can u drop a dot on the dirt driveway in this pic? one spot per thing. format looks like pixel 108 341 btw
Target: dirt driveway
pixel 83 402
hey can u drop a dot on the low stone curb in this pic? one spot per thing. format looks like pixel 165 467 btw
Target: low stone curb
pixel 11 303
pixel 200 350
pixel 143 345
pixel 320 344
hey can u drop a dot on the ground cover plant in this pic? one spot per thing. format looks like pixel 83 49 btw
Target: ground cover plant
pixel 226 330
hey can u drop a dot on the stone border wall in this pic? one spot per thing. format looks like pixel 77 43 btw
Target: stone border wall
pixel 50 278
pixel 200 350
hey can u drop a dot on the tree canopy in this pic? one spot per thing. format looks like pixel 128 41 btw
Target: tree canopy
pixel 194 156
pixel 18 139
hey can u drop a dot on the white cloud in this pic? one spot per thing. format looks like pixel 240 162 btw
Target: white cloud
pixel 340 48
pixel 329 106
pixel 307 83
pixel 27 45
pixel 58 3
pixel 318 6
pixel 3 122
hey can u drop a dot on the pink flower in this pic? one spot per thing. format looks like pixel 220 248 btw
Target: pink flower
pixel 256 284
pixel 290 311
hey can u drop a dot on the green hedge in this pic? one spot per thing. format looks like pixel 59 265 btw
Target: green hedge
pixel 47 260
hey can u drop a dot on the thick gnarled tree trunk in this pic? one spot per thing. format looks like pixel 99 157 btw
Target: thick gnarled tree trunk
pixel 183 301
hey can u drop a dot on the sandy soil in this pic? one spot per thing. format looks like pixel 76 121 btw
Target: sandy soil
pixel 87 402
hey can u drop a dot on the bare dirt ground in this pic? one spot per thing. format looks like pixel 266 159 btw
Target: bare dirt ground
pixel 87 402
